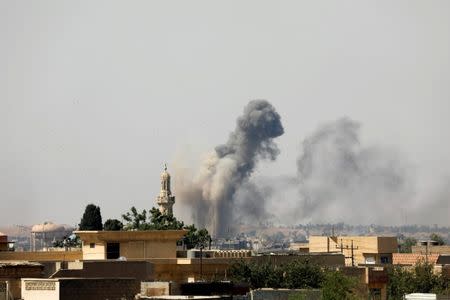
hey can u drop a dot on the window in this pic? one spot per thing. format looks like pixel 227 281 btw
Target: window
pixel 112 250
pixel 384 259
pixel 370 260
pixel 92 245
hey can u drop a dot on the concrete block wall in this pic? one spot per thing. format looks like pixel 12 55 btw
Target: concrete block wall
pixel 94 289
pixel 155 288
pixel 41 256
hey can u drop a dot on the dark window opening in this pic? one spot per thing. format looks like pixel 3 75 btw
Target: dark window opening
pixel 384 259
pixel 92 245
pixel 112 250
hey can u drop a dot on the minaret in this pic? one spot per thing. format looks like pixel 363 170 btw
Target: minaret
pixel 165 199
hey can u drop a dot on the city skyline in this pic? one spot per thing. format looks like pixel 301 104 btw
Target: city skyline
pixel 94 99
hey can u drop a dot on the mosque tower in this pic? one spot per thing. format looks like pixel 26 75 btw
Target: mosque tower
pixel 165 199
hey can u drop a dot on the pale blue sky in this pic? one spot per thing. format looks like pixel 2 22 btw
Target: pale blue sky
pixel 96 95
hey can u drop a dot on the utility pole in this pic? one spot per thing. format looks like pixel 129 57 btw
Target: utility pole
pixel 201 263
pixel 347 247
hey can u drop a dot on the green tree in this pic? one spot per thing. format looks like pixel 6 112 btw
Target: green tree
pixel 71 241
pixel 240 271
pixel 303 274
pixel 113 225
pixel 134 219
pixel 297 274
pixel 420 279
pixel 156 220
pixel 425 280
pixel 405 246
pixel 159 221
pixel 92 218
pixel 196 238
pixel 336 286
pixel 401 282
pixel 437 238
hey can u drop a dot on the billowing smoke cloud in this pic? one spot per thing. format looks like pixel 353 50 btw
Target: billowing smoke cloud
pixel 212 193
pixel 342 180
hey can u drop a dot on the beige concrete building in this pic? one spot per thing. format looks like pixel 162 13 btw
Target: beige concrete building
pixel 301 247
pixel 99 245
pixel 361 250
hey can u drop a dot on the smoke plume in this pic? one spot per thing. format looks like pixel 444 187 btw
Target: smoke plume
pixel 341 180
pixel 212 193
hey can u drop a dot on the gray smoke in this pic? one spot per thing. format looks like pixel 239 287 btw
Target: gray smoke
pixel 212 194
pixel 342 180
pixel 251 201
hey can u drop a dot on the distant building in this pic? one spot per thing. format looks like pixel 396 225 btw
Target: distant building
pixel 358 250
pixel 301 247
pixel 165 199
pixel 43 235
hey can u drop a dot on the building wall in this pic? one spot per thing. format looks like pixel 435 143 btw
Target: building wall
pixel 42 255
pixel 79 288
pixel 40 289
pixel 148 249
pixel 365 246
pixel 155 288
pixel 445 249
pixel 387 244
pixel 99 288
pixel 13 272
pixel 218 268
pixel 98 252
pixel 133 244
pixel 141 270
pixel 131 249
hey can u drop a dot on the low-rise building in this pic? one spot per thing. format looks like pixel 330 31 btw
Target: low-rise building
pixel 98 245
pixel 358 250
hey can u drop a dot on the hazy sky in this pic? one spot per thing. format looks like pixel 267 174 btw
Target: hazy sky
pixel 96 95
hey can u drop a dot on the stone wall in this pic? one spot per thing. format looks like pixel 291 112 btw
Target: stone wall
pixel 42 255
pixel 141 270
pixel 80 288
pixel 98 288
pixel 155 288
